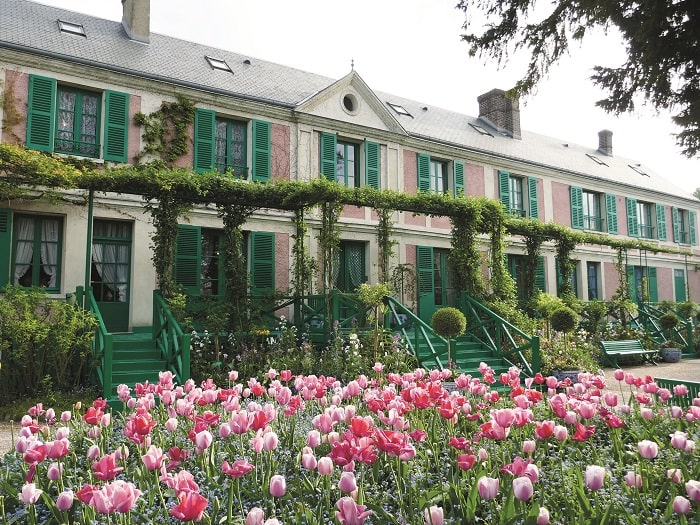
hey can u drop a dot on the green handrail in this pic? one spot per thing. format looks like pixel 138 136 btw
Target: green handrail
pixel 501 337
pixel 102 344
pixel 648 318
pixel 421 334
pixel 173 343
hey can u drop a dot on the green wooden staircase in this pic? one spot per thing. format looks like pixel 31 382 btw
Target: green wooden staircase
pixel 135 359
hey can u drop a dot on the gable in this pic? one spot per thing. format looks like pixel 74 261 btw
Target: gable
pixel 351 100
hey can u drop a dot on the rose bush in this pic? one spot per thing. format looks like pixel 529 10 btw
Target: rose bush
pixel 382 449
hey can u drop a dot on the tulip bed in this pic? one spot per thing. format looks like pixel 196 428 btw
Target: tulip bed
pixel 418 448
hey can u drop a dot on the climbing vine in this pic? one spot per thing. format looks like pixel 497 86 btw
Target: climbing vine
pixel 329 240
pixel 464 257
pixel 303 265
pixel 533 251
pixel 234 261
pixel 502 283
pixel 166 131
pixel 385 241
pixel 567 266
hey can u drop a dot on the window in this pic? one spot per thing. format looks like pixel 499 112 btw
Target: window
pixel 399 109
pixel 592 219
pixel 438 176
pixel 230 147
pixel 518 194
pixel 74 121
pixel 78 122
pixel 111 258
pixel 347 164
pixel 644 220
pixel 36 249
pixel 221 144
pixel 70 27
pixel 481 129
pixel 593 280
pixel 642 284
pixel 433 175
pixel 217 63
pixel 683 226
pixel 587 212
pixel 199 264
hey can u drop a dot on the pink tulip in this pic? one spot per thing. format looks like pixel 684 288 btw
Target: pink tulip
pixel 522 488
pixel 434 515
pixel 610 399
pixel 504 417
pixel 203 439
pixel 347 482
pixel 529 446
pixel 619 375
pixel 692 488
pixel 65 416
pixel 680 390
pixel 255 516
pixel 561 433
pixel 190 507
pixel 238 469
pixel 325 466
pixel 313 439
pixel 594 477
pixel 648 449
pixel 278 486
pixel 270 441
pixel 308 461
pixel 681 505
pixel 54 471
pixel 64 501
pixel 93 452
pixel 543 516
pixel 679 440
pixel 30 494
pixel 676 412
pixel 674 474
pixel 488 487
pixel 350 513
pixel 633 480
pixel 153 458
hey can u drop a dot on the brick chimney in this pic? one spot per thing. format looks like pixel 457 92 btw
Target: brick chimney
pixel 136 19
pixel 605 142
pixel 501 112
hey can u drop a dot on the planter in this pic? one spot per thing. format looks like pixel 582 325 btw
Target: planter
pixel 671 355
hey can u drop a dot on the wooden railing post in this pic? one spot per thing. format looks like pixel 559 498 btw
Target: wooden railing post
pixel 536 359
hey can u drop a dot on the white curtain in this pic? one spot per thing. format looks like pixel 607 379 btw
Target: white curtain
pixel 49 250
pixel 25 248
pixel 112 260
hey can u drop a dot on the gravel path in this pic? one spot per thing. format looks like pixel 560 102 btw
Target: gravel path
pixel 686 370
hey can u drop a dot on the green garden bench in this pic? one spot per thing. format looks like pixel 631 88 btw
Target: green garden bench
pixel 613 350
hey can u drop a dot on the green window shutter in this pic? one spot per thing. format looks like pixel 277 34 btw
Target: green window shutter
pixel 262 147
pixel 504 188
pixel 204 134
pixel 328 155
pixel 661 222
pixel 676 218
pixel 611 212
pixel 116 143
pixel 424 264
pixel 691 227
pixel 372 171
pixel 458 167
pixel 576 198
pixel 188 257
pixel 532 197
pixel 41 112
pixel 632 222
pixel 540 276
pixel 5 245
pixel 652 284
pixel 423 172
pixel 262 265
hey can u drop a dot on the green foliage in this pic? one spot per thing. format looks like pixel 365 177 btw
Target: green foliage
pixel 564 320
pixel 448 322
pixel 669 321
pixel 13 408
pixel 573 352
pixel 303 265
pixel 660 39
pixel 687 309
pixel 329 240
pixel 385 241
pixel 166 130
pixel 594 315
pixel 373 295
pixel 45 344
pixel 465 258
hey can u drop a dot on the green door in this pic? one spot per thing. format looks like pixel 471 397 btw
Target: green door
pixel 679 285
pixel 435 289
pixel 111 270
pixel 350 267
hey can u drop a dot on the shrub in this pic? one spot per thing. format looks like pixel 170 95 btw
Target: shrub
pixel 564 320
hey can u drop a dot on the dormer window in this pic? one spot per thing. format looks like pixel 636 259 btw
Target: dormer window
pixel 399 109
pixel 217 63
pixel 70 27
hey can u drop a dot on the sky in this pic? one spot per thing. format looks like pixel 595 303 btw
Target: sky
pixel 412 48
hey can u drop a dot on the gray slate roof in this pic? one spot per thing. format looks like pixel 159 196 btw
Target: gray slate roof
pixel 32 26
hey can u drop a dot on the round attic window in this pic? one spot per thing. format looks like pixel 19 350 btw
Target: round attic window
pixel 350 103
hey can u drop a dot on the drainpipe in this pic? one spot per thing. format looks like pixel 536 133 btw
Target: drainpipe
pixel 88 244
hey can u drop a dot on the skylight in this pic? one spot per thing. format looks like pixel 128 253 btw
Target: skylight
pixel 638 169
pixel 399 109
pixel 481 129
pixel 70 27
pixel 217 63
pixel 596 159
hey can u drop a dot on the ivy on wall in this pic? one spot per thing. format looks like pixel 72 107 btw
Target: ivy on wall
pixel 166 132
pixel 385 241
pixel 303 265
pixel 465 258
